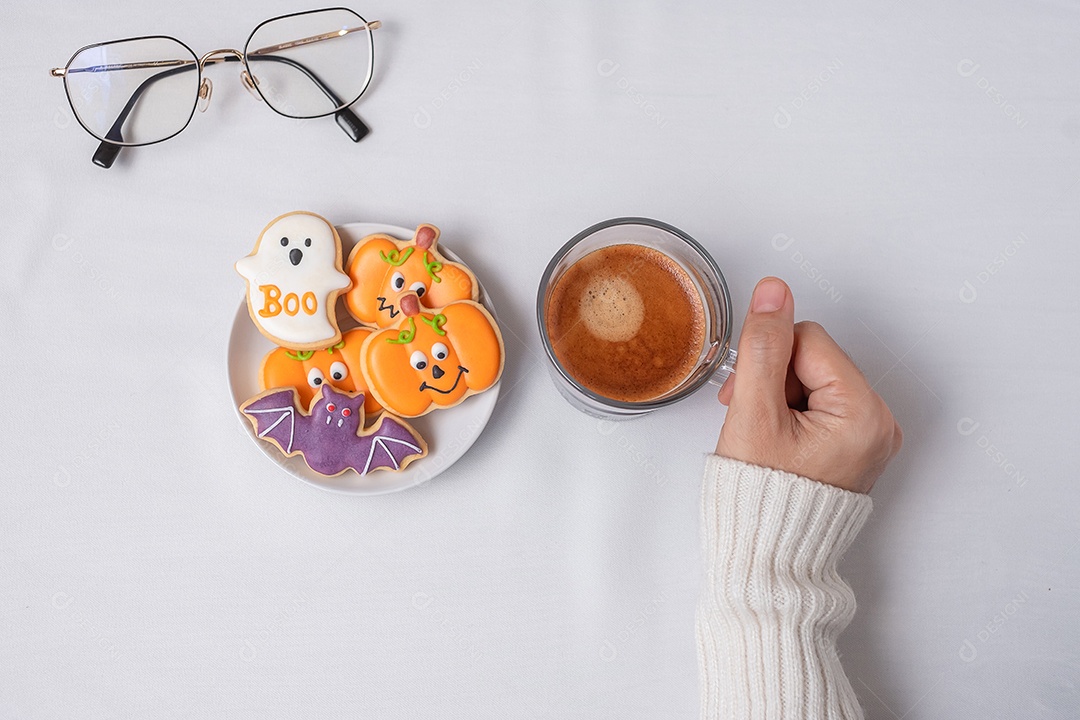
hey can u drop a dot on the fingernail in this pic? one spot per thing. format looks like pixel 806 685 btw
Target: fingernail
pixel 769 296
pixel 720 394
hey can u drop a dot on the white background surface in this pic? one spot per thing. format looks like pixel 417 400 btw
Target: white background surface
pixel 154 564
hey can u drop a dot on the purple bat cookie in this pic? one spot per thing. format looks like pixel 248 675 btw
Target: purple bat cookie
pixel 330 436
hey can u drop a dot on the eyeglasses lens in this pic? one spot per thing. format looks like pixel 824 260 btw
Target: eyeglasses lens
pixel 311 64
pixel 134 92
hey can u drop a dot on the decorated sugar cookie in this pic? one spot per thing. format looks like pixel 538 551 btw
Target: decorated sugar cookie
pixel 307 371
pixel 294 277
pixel 382 268
pixel 330 434
pixel 433 358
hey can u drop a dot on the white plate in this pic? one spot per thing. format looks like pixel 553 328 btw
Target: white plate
pixel 449 433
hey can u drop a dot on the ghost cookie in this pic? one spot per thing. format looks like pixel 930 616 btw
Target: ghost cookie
pixel 434 358
pixel 293 280
pixel 383 268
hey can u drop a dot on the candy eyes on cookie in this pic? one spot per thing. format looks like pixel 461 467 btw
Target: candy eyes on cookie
pixel 397 281
pixel 419 360
pixel 285 242
pixel 338 371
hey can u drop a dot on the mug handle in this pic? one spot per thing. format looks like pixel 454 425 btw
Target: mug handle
pixel 725 369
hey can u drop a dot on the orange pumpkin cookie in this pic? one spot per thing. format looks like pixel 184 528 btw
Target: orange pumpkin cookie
pixel 383 268
pixel 433 358
pixel 308 370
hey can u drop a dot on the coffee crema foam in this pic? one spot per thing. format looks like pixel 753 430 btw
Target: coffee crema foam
pixel 626 322
pixel 611 308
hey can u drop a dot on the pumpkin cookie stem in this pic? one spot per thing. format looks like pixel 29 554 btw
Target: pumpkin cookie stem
pixel 409 304
pixel 425 236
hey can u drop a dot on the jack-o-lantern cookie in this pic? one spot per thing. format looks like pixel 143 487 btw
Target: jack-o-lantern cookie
pixel 434 358
pixel 306 371
pixel 294 277
pixel 383 268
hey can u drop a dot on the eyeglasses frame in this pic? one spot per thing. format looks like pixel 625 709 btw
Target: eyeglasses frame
pixel 352 125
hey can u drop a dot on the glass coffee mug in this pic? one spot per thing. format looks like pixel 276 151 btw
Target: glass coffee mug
pixel 619 311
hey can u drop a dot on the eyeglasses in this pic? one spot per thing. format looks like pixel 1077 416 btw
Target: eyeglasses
pixel 141 91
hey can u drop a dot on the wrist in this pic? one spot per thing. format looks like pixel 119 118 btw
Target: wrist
pixel 772 604
pixel 793 523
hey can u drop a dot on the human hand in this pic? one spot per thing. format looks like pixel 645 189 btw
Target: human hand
pixel 798 403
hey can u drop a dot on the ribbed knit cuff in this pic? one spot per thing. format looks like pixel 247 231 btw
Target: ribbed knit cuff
pixel 772 603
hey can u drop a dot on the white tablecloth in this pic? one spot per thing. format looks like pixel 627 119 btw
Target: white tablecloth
pixel 910 169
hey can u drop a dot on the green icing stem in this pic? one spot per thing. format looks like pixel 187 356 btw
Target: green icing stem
pixel 336 347
pixel 405 336
pixel 432 268
pixel 436 323
pixel 301 355
pixel 396 257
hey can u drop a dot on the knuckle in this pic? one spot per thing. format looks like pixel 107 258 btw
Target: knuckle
pixel 871 426
pixel 809 326
pixel 878 424
pixel 765 340
pixel 855 365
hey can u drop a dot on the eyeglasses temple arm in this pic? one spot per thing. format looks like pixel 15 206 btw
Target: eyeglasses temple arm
pixel 373 25
pixel 353 126
pixel 106 153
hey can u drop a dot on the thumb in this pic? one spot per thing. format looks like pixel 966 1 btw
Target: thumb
pixel 765 347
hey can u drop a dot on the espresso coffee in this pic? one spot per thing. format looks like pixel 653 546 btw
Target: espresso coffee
pixel 626 322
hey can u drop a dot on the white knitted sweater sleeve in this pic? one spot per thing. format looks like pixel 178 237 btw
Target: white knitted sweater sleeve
pixel 772 603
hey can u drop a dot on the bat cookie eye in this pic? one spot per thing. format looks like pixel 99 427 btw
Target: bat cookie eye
pixel 418 360
pixel 419 288
pixel 331 407
pixel 284 242
pixel 397 281
pixel 315 377
pixel 338 371
pixel 346 412
pixel 439 351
